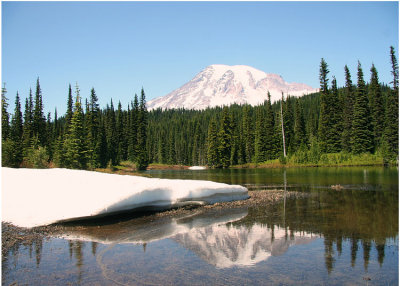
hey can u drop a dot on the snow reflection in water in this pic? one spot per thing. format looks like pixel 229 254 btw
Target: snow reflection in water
pixel 329 237
pixel 210 235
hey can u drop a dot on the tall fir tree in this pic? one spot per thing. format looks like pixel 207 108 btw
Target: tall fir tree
pixel 142 160
pixel 323 126
pixel 56 130
pixel 133 130
pixel 300 138
pixel 212 145
pixel 288 121
pixel 70 111
pixel 362 140
pixel 101 146
pixel 28 119
pixel 377 107
pixel 5 117
pixel 260 152
pixel 76 149
pixel 119 133
pixel 93 126
pixel 348 111
pixel 39 120
pixel 335 122
pixel 111 137
pixel 16 134
pixel 271 151
pixel 224 137
pixel 391 132
pixel 196 144
pixel 49 137
pixel 248 133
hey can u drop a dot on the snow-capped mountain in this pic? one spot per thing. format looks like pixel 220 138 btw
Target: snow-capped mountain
pixel 219 85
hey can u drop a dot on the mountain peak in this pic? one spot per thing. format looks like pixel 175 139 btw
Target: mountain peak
pixel 219 85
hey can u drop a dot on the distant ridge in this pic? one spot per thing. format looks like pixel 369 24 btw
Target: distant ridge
pixel 219 85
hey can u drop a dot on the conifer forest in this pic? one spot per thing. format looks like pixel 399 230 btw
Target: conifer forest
pixel 337 123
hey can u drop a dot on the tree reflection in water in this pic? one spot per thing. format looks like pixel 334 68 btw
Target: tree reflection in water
pixel 348 221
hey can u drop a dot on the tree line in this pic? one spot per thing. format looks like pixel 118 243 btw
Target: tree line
pixel 86 137
pixel 357 118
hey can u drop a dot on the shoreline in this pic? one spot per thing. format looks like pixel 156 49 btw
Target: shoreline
pixel 14 236
pixel 272 166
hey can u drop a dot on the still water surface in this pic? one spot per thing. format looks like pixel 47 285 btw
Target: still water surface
pixel 346 237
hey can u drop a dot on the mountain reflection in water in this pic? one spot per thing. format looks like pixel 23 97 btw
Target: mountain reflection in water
pixel 227 246
pixel 209 234
pixel 327 235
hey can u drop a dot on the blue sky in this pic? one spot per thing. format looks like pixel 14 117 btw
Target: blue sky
pixel 120 47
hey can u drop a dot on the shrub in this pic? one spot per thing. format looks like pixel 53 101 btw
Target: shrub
pixel 38 157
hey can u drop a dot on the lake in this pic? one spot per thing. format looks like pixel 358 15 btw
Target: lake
pixel 342 236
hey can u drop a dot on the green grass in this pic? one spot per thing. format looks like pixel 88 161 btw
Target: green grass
pixel 303 159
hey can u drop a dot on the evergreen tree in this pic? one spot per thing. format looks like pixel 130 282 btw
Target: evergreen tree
pixel 5 124
pixel 142 160
pixel 270 143
pixel 392 111
pixel 362 140
pixel 260 137
pixel 49 136
pixel 76 148
pixel 171 148
pixel 288 121
pixel 224 137
pixel 335 124
pixel 68 115
pixel 133 130
pixel 299 126
pixel 324 122
pixel 377 106
pixel 110 134
pixel 39 121
pixel 93 124
pixel 125 134
pixel 213 145
pixel 16 134
pixel 161 150
pixel 248 134
pixel 279 128
pixel 235 149
pixel 196 145
pixel 395 69
pixel 56 130
pixel 28 119
pixel 348 111
pixel 119 133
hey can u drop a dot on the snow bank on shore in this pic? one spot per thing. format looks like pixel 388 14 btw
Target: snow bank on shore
pixel 34 197
pixel 197 168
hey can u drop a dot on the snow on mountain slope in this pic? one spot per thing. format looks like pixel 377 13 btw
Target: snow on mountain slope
pixel 219 85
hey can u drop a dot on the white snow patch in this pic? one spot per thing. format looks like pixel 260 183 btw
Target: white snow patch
pixel 34 197
pixel 197 168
